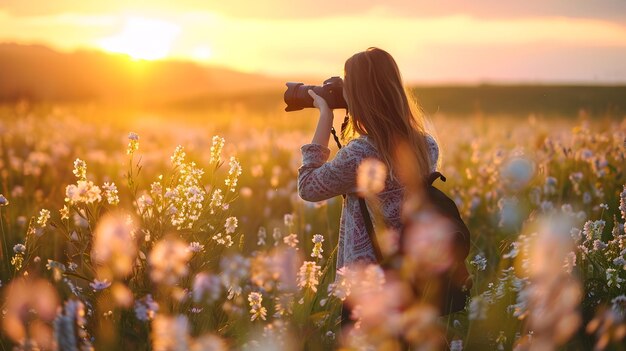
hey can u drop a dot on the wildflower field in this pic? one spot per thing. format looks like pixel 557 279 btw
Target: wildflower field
pixel 183 230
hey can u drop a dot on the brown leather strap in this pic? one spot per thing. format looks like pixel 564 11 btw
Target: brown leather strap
pixel 369 226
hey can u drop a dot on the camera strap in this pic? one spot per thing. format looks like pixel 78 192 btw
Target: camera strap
pixel 344 125
pixel 369 226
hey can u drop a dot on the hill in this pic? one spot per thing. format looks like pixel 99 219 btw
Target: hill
pixel 39 73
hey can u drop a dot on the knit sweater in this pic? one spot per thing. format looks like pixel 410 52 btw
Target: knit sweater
pixel 320 180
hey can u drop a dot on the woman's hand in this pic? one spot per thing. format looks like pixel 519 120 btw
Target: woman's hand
pixel 320 103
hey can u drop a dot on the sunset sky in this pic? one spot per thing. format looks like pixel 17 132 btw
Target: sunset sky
pixel 433 41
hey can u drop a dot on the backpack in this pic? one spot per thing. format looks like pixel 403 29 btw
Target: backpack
pixel 451 287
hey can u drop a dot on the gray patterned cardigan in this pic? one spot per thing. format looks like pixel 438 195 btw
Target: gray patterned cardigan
pixel 320 180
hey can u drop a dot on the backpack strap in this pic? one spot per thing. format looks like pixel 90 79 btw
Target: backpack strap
pixel 433 176
pixel 369 226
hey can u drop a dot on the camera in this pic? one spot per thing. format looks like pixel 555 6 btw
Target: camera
pixel 297 96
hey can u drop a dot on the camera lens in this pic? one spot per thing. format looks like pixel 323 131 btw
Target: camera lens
pixel 297 96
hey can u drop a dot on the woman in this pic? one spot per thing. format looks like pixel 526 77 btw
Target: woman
pixel 382 126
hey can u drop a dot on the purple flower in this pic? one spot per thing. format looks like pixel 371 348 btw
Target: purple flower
pixel 100 284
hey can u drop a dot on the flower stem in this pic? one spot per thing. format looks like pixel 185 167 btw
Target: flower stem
pixel 4 242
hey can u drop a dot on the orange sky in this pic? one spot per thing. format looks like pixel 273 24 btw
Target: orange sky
pixel 433 41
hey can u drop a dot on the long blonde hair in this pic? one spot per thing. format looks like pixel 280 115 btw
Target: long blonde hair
pixel 380 108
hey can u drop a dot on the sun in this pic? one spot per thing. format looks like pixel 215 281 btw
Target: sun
pixel 143 38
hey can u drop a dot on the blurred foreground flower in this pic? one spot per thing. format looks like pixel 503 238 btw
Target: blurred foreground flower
pixel 70 327
pixel 552 296
pixel 146 308
pixel 30 307
pixel 114 243
pixel 170 333
pixel 371 176
pixel 517 173
pixel 428 244
pixel 609 325
pixel 98 285
pixel 234 269
pixel 207 287
pixel 168 261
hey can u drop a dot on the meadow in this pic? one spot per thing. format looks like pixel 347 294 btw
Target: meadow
pixel 181 228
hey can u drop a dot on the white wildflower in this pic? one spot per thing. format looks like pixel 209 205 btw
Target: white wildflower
pixel 318 239
pixel 65 212
pixel 291 240
pixel 593 229
pixel 216 149
pixel 288 219
pixel 83 192
pixel 44 216
pixel 478 308
pixel 195 247
pixel 456 345
pixel 216 200
pixel 480 262
pixel 80 169
pixel 178 158
pixel 230 225
pixel 613 279
pixel 110 193
pixel 277 235
pixel 233 174
pixel 256 309
pixel 133 143
pixel 308 275
pixel 261 235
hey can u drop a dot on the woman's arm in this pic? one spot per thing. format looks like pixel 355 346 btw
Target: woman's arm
pixel 320 180
pixel 325 122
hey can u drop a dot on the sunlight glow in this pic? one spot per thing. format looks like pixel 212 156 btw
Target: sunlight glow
pixel 202 53
pixel 143 38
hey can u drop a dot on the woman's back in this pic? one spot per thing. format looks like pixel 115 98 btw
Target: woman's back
pixel 319 180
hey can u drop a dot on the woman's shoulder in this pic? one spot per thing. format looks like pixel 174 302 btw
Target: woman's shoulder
pixel 365 144
pixel 361 144
pixel 431 142
pixel 433 151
